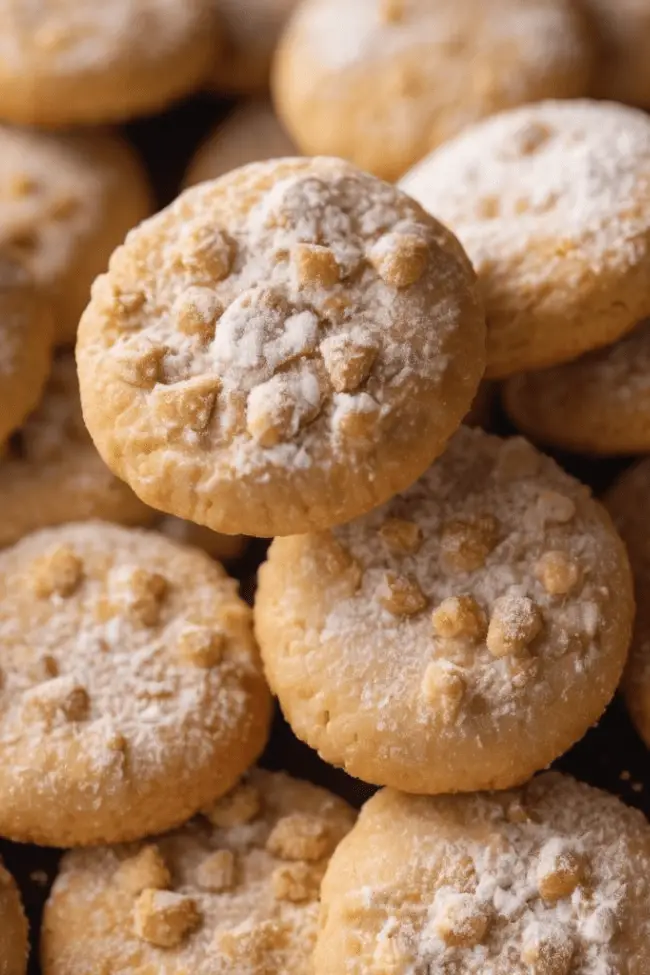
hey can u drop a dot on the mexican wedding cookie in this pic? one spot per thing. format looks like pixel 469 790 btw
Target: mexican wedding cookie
pixel 131 691
pixel 623 33
pixel 549 880
pixel 13 927
pixel 552 203
pixel 280 350
pixel 383 82
pixel 599 404
pixel 460 637
pixel 250 30
pixel 234 893
pixel 51 472
pixel 79 62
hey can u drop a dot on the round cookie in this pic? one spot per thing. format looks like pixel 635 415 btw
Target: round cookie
pixel 552 202
pixel 252 133
pixel 552 879
pixel 281 349
pixel 78 62
pixel 481 413
pixel 25 344
pixel 223 548
pixel 460 637
pixel 599 404
pixel 235 893
pixel 66 202
pixel 51 472
pixel 250 30
pixel 383 82
pixel 13 927
pixel 132 693
pixel 623 32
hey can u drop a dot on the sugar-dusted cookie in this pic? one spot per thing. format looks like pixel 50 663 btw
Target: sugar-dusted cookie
pixel 281 349
pixel 598 404
pixel 552 202
pixel 51 472
pixel 131 691
pixel 622 28
pixel 460 637
pixel 26 332
pixel 235 893
pixel 383 82
pixel 66 201
pixel 251 133
pixel 83 62
pixel 13 927
pixel 218 546
pixel 551 879
pixel 250 30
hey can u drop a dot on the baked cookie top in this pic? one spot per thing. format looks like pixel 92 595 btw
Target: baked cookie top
pixel 235 892
pixel 551 879
pixel 551 202
pixel 461 636
pixel 131 690
pixel 13 930
pixel 281 349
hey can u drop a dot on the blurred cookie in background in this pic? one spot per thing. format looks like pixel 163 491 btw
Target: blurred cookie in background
pixel 223 548
pixel 250 30
pixel 622 28
pixel 13 927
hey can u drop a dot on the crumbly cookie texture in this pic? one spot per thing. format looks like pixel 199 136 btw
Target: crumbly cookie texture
pixel 66 201
pixel 51 472
pixel 249 38
pixel 552 203
pixel 234 893
pixel 131 691
pixel 281 349
pixel 551 879
pixel 622 29
pixel 13 929
pixel 598 404
pixel 78 62
pixel 26 333
pixel 460 637
pixel 627 502
pixel 251 133
pixel 220 547
pixel 383 82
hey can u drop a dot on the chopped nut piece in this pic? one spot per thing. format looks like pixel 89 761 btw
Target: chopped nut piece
pixel 358 420
pixel 145 594
pixel 391 958
pixel 238 807
pixel 348 361
pixel 547 949
pixel 558 573
pixel 279 408
pixel 401 537
pixel 443 687
pixel 461 921
pixel 62 698
pixel 163 918
pixel 59 572
pixel 251 945
pixel 217 872
pixel 515 623
pixel 188 404
pixel 517 460
pixel 201 646
pixel 146 869
pixel 315 266
pixel 554 507
pixel 142 367
pixel 296 882
pixel 559 871
pixel 209 251
pixel 196 311
pixel 467 542
pixel 299 836
pixel 401 595
pixel 400 259
pixel 459 617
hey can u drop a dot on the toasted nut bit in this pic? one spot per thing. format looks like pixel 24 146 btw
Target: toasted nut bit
pixel 196 312
pixel 21 184
pixel 344 570
pixel 558 573
pixel 188 404
pixel 145 594
pixel 390 958
pixel 515 623
pixel 401 595
pixel 517 460
pixel 348 361
pixel 142 368
pixel 58 572
pixel 250 946
pixel 62 698
pixel 400 259
pixel 128 302
pixel 392 11
pixel 201 646
pixel 357 421
pixel 240 806
pixel 554 507
pixel 146 869
pixel 315 265
pixel 217 871
pixel 531 137
pixel 49 666
pixel 300 837
pixel 401 537
pixel 163 918
pixel 559 871
pixel 296 882
pixel 461 921
pixel 278 409
pixel 547 949
pixel 210 251
pixel 459 617
pixel 443 688
pixel 63 207
pixel 467 542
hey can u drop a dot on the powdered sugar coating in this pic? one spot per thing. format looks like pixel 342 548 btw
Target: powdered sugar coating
pixel 128 665
pixel 460 637
pixel 13 930
pixel 549 880
pixel 551 202
pixel 293 343
pixel 252 922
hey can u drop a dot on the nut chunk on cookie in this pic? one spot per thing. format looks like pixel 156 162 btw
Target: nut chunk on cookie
pixel 307 341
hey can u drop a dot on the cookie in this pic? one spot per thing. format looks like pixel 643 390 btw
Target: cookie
pixel 552 203
pixel 552 879
pixel 78 62
pixel 627 503
pixel 13 929
pixel 51 472
pixel 223 548
pixel 281 349
pixel 252 133
pixel 623 31
pixel 598 404
pixel 481 412
pixel 132 694
pixel 383 82
pixel 26 332
pixel 235 893
pixel 460 637
pixel 250 31
pixel 66 201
